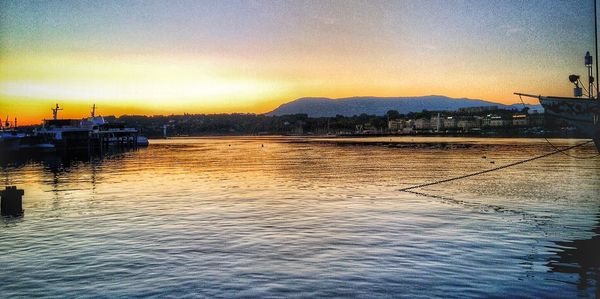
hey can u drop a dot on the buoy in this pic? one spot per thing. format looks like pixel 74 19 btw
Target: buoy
pixel 12 201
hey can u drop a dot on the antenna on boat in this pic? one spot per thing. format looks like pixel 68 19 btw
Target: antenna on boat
pixel 588 65
pixel 15 124
pixel 94 111
pixel 576 90
pixel 6 123
pixel 55 112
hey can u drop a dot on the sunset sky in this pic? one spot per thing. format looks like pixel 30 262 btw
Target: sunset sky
pixel 163 57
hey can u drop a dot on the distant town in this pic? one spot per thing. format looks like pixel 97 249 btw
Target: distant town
pixel 472 121
pixel 484 120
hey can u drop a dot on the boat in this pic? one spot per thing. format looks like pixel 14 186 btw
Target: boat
pixel 87 133
pixel 142 141
pixel 63 133
pixel 9 138
pixel 12 140
pixel 581 112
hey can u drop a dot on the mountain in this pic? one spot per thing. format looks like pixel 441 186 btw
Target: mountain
pixel 326 107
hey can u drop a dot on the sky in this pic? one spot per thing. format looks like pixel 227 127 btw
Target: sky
pixel 219 56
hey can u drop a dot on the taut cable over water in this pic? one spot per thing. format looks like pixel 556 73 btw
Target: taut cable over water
pixel 496 168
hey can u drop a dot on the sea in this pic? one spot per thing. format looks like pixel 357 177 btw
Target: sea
pixel 294 217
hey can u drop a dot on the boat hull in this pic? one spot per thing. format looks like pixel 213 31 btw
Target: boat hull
pixel 584 114
pixel 11 144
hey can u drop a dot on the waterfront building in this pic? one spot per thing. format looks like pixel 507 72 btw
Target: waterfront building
pixel 468 124
pixel 437 123
pixel 520 120
pixel 423 124
pixel 537 120
pixel 449 123
pixel 498 121
pixel 396 125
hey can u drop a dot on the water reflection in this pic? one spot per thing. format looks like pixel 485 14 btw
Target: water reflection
pixel 62 172
pixel 55 162
pixel 581 257
pixel 316 219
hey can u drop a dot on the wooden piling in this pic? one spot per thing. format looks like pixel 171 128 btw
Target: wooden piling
pixel 11 201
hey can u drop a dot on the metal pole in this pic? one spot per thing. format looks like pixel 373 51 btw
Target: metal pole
pixel 596 46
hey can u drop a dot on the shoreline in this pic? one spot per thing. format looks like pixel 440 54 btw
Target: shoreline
pixel 393 141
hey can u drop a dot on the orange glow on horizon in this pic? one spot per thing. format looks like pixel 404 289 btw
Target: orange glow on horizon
pixel 161 84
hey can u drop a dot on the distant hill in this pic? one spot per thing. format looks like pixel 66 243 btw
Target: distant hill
pixel 326 107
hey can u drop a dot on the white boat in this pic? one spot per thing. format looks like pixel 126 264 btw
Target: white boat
pixel 12 140
pixel 88 132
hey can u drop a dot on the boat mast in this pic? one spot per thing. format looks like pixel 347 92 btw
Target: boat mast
pixel 55 112
pixel 596 46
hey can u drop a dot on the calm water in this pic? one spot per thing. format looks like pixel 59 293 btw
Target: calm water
pixel 248 217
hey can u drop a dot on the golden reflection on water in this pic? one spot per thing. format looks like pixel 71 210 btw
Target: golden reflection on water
pixel 306 206
pixel 313 166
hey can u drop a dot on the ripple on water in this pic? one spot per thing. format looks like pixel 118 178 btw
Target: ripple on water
pixel 199 217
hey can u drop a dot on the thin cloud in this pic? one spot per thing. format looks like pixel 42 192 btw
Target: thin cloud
pixel 510 30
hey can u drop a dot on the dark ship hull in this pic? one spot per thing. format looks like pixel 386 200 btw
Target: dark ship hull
pixel 581 113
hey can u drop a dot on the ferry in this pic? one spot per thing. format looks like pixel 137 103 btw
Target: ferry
pixel 92 132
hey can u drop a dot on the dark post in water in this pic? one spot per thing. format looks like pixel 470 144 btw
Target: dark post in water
pixel 11 201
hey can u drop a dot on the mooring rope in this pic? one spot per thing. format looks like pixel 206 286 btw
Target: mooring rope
pixel 555 148
pixel 572 156
pixel 494 169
